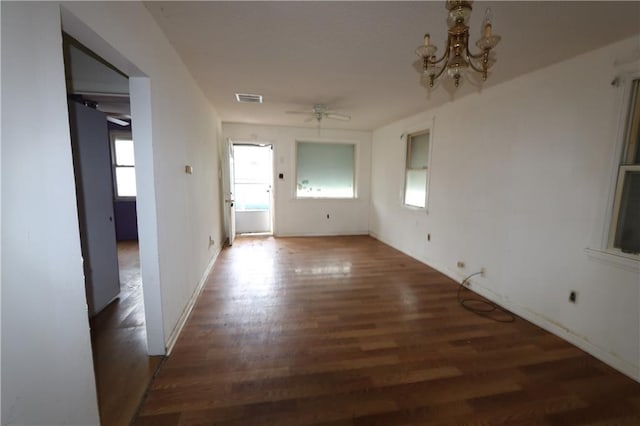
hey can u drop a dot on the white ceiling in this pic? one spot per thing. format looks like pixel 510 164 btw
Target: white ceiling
pixel 357 57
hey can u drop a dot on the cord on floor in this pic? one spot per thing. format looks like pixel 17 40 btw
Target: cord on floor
pixel 482 307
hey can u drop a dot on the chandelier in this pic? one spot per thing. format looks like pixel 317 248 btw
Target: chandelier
pixel 457 57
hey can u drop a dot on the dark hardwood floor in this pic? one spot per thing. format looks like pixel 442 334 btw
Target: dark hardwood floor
pixel 118 338
pixel 347 331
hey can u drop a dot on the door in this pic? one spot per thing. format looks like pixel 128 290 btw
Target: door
pixel 94 192
pixel 229 199
pixel 253 166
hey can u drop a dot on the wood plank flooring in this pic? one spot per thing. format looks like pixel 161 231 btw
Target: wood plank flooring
pixel 348 331
pixel 119 341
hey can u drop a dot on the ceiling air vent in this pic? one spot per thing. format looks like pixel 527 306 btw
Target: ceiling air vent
pixel 247 98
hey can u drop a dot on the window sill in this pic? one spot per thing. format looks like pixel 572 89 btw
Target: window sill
pixel 619 260
pixel 325 199
pixel 415 209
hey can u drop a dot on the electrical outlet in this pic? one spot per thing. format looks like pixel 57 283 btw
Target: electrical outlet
pixel 460 264
pixel 428 237
pixel 211 241
pixel 573 296
pixel 483 272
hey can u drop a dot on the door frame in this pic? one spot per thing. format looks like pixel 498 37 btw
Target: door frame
pixel 272 195
pixel 140 99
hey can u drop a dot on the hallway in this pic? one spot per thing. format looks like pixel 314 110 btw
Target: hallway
pixel 346 330
pixel 118 337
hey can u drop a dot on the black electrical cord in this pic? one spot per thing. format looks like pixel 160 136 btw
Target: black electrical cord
pixel 482 307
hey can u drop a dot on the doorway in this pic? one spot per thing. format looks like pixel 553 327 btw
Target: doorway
pixel 104 168
pixel 253 183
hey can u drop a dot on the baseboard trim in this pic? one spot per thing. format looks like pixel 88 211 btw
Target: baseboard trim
pixel 334 234
pixel 175 333
pixel 623 366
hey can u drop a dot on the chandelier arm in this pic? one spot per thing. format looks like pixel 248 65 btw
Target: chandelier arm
pixel 436 76
pixel 480 70
pixel 476 56
pixel 445 55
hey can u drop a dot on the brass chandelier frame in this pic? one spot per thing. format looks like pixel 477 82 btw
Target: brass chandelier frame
pixel 457 56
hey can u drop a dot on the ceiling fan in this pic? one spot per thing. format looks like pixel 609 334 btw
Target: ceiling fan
pixel 320 112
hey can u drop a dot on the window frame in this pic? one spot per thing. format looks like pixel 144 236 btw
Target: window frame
pixel 113 135
pixel 416 131
pixel 326 142
pixel 623 169
pixel 619 166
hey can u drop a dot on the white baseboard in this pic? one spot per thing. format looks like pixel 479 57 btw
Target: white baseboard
pixel 559 330
pixel 173 337
pixel 623 366
pixel 333 234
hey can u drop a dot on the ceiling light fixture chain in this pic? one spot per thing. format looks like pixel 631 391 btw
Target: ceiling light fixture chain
pixel 457 57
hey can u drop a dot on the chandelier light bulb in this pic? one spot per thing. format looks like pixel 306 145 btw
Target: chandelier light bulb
pixel 487 23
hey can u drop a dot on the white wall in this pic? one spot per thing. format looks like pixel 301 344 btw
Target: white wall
pixel 309 217
pixel 46 354
pixel 520 186
pixel 184 130
pixel 47 371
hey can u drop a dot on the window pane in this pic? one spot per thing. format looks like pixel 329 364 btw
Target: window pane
pixel 124 152
pixel 628 232
pixel 325 170
pixel 252 164
pixel 252 196
pixel 632 155
pixel 415 193
pixel 125 181
pixel 418 151
pixel 633 150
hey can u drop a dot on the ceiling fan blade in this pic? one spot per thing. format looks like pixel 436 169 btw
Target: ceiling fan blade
pixel 298 112
pixel 336 116
pixel 117 121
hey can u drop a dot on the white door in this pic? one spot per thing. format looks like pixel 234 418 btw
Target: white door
pixel 94 191
pixel 229 198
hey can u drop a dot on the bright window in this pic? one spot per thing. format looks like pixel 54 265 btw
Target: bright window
pixel 325 170
pixel 124 166
pixel 625 227
pixel 417 170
